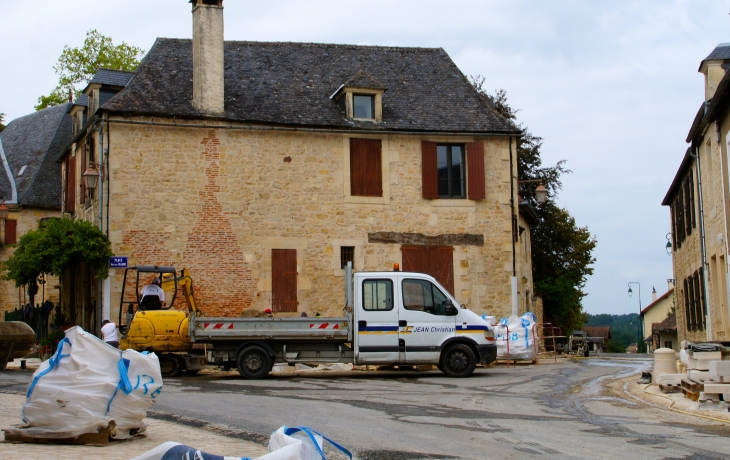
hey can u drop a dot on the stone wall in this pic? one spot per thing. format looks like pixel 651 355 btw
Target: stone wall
pixel 217 201
pixel 12 297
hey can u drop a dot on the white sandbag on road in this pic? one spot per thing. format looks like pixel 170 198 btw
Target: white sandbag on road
pixel 298 443
pixel 87 384
pixel 515 337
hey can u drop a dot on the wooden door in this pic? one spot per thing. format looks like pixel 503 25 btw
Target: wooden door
pixel 437 261
pixel 284 280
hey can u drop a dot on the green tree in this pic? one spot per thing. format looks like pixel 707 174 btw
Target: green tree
pixel 55 245
pixel 2 121
pixel 76 66
pixel 561 250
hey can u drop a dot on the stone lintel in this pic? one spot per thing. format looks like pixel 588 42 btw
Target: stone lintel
pixel 419 239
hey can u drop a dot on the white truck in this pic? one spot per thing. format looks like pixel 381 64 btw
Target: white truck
pixel 390 318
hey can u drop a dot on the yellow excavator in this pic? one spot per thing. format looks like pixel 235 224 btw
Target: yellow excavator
pixel 152 326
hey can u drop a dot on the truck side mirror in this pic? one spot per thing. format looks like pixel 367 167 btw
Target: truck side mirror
pixel 451 310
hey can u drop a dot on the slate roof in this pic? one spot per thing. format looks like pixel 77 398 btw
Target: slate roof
pixel 112 77
pixel 668 325
pixel 720 53
pixel 82 100
pixel 363 79
pixel 35 141
pixel 598 331
pixel 290 84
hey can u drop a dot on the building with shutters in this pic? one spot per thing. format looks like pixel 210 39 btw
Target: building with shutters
pixel 30 184
pixel 700 212
pixel 264 168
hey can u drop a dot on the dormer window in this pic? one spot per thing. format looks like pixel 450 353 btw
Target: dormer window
pixel 363 106
pixel 361 97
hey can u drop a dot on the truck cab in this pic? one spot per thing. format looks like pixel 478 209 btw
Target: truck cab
pixel 409 318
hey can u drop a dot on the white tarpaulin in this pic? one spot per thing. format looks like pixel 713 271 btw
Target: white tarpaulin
pixel 87 384
pixel 515 337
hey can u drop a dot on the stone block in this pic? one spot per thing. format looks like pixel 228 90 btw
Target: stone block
pixel 699 364
pixel 706 396
pixel 717 388
pixel 669 378
pixel 697 375
pixel 720 368
pixel 707 355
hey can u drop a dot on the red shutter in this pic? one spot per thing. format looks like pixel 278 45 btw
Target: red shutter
pixel 414 258
pixel 475 170
pixel 284 280
pixel 11 231
pixel 429 170
pixel 82 184
pixel 71 184
pixel 366 168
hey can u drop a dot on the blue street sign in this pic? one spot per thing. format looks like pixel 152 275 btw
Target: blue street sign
pixel 118 262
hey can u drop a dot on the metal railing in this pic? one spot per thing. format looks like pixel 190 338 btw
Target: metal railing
pixel 33 317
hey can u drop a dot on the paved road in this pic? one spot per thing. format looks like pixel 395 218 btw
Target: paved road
pixel 548 411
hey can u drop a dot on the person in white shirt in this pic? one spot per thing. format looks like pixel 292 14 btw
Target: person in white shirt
pixel 109 333
pixel 154 289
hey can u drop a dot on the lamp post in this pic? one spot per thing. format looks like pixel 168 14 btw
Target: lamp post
pixel 641 323
pixel 669 244
pixel 540 190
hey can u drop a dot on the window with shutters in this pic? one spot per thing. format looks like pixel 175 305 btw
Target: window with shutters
pixel 11 231
pixel 694 302
pixel 437 261
pixel 453 171
pixel 366 171
pixel 70 192
pixel 683 211
pixel 284 280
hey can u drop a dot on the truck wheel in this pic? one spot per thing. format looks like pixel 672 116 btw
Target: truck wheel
pixel 458 361
pixel 254 362
pixel 169 366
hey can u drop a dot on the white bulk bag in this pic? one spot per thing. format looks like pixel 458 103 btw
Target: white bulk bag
pixel 519 333
pixel 87 384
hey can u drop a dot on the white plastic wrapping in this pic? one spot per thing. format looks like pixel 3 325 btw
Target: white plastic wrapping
pixel 515 337
pixel 87 384
pixel 299 443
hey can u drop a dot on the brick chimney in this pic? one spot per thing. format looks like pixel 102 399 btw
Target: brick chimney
pixel 653 294
pixel 208 70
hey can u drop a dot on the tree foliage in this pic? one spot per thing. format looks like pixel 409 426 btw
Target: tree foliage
pixel 54 246
pixel 76 66
pixel 561 250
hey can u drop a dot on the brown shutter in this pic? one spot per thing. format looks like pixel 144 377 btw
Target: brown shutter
pixel 82 183
pixel 429 169
pixel 366 170
pixel 437 261
pixel 11 231
pixel 284 280
pixel 71 184
pixel 475 170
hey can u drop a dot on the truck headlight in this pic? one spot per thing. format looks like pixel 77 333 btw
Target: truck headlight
pixel 489 335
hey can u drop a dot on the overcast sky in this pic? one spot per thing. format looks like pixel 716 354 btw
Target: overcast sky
pixel 611 86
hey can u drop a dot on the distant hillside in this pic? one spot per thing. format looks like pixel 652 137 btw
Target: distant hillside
pixel 624 329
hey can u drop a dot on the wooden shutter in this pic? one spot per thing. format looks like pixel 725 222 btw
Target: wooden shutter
pixel 366 167
pixel 70 184
pixel 284 280
pixel 437 261
pixel 429 170
pixel 475 171
pixel 82 183
pixel 11 231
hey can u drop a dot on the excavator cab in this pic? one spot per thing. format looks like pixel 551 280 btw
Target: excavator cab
pixel 168 281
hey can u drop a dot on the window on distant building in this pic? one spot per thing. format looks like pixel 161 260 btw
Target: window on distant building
pixel 347 254
pixel 363 105
pixel 11 231
pixel 453 171
pixel 667 344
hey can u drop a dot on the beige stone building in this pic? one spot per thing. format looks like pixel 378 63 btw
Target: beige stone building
pixel 655 313
pixel 30 186
pixel 264 168
pixel 698 201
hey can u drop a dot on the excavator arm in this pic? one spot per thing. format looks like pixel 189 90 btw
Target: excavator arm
pixel 185 282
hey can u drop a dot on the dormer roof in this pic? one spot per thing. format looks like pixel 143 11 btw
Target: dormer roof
pixel 112 77
pixel 720 53
pixel 364 80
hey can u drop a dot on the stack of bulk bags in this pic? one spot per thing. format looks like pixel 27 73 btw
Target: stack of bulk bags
pixel 520 333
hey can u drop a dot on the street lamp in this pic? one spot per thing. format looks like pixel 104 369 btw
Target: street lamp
pixel 641 336
pixel 540 190
pixel 669 244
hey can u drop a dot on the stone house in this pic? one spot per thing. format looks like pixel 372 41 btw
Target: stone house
pixel 656 312
pixel 264 168
pixel 699 209
pixel 31 187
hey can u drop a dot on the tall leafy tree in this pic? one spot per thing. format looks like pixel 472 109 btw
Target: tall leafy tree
pixel 562 252
pixel 76 66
